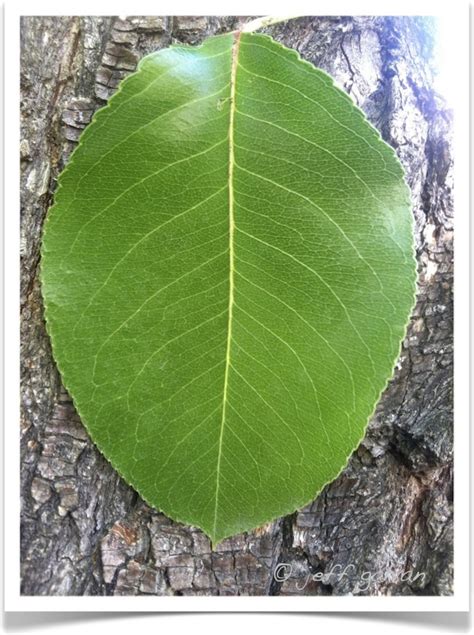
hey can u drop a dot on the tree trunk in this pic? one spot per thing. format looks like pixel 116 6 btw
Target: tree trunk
pixel 387 519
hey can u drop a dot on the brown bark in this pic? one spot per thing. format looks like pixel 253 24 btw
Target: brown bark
pixel 84 531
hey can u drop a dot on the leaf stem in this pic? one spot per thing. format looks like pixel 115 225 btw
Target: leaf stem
pixel 264 21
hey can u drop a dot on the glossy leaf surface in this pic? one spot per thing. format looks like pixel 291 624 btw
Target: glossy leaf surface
pixel 228 273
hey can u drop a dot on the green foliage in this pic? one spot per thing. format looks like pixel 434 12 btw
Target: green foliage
pixel 228 272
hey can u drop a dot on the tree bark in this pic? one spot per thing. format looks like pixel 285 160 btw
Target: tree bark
pixel 385 525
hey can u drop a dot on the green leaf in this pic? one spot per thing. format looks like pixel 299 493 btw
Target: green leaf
pixel 228 272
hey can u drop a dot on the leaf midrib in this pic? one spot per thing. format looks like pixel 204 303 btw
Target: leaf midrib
pixel 232 109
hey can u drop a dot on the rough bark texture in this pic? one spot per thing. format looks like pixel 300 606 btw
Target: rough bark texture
pixel 84 531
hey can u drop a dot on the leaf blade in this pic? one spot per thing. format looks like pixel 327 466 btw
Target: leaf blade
pixel 269 217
